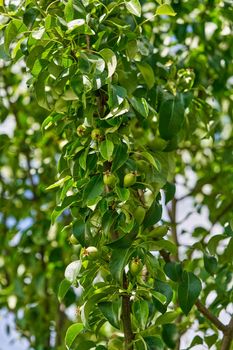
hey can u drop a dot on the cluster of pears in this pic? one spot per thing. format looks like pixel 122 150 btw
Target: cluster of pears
pixel 96 134
pixel 110 179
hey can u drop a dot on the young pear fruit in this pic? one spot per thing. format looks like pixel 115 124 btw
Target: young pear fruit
pixel 135 266
pixel 109 179
pixel 129 180
pixel 139 214
pixel 97 135
pixel 91 252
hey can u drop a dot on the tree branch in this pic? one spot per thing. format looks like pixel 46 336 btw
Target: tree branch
pixel 211 317
pixel 228 336
pixel 172 215
pixel 125 316
pixel 223 212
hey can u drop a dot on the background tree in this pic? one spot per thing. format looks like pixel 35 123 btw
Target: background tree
pixel 129 96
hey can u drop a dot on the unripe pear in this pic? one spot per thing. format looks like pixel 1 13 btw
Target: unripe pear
pixel 109 179
pixel 81 130
pixel 97 135
pixel 91 252
pixel 135 266
pixel 73 240
pixel 129 179
pixel 139 214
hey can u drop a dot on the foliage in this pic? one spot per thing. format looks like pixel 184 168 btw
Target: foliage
pixel 122 97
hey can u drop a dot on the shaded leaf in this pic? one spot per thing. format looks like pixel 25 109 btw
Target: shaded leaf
pixel 93 189
pixel 173 270
pixel 120 156
pixel 79 231
pixel 211 264
pixel 147 73
pixel 106 149
pixel 141 312
pixel 140 105
pixel 188 291
pixel 118 261
pixel 153 214
pixel 111 313
pixel 63 289
pixel 15 27
pixel 171 117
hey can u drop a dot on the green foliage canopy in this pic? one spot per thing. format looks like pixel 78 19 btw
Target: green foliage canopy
pixel 123 96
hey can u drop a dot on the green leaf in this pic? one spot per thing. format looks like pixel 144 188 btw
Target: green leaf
pixel 40 92
pixel 188 291
pixel 141 312
pixel 166 10
pixel 107 221
pixel 171 118
pixel 89 306
pixel 117 95
pixel 119 110
pixel 134 7
pixel 169 190
pixel 211 340
pixel 59 183
pixel 150 159
pixel 71 334
pixel 110 312
pixel 158 232
pixel 67 202
pixel 227 255
pixel 110 59
pixel 173 270
pixel 13 29
pixel 72 270
pixel 170 335
pixel 140 344
pixel 211 264
pixel 69 11
pixel 93 189
pixel 123 193
pixel 123 242
pixel 147 73
pixel 213 243
pixel 140 105
pixel 106 149
pixel 120 156
pixel 118 261
pixel 30 16
pixel 165 289
pixel 63 289
pixel 196 341
pixel 159 296
pixel 154 343
pixel 168 317
pixel 86 345
pixel 153 214
pixel 79 231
